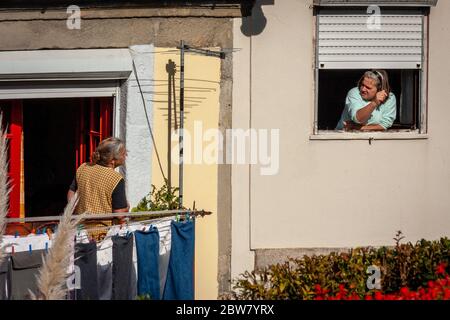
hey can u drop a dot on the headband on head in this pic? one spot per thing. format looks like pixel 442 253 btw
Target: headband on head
pixel 379 75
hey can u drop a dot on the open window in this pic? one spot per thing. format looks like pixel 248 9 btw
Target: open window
pixel 12 122
pixel 349 41
pixel 405 85
pixel 48 139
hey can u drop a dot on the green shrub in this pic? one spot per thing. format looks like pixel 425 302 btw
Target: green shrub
pixel 411 265
pixel 164 198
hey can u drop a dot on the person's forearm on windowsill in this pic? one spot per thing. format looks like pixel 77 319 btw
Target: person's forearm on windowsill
pixel 372 127
pixel 363 115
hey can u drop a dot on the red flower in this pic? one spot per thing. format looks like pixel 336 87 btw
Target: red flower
pixel 446 294
pixel 354 297
pixel 378 295
pixel 404 292
pixel 440 269
pixel 435 290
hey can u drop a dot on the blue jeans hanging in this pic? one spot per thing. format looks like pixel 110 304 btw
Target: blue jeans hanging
pixel 180 276
pixel 147 249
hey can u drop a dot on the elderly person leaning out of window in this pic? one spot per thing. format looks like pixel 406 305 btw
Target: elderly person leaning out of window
pixel 101 189
pixel 371 106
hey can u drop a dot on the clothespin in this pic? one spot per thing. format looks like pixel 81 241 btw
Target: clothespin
pixel 33 230
pixel 46 247
pixel 16 234
pixel 30 249
pixel 12 249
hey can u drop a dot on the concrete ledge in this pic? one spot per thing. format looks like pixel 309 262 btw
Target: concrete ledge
pixel 266 257
pixel 115 13
pixel 396 3
pixel 141 8
pixel 335 135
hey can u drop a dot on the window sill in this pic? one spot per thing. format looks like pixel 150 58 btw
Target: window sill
pixel 389 135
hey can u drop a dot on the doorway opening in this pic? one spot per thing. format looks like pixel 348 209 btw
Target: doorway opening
pixel 48 139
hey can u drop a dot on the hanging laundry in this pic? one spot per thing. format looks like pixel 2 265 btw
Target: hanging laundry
pixel 86 260
pixel 163 227
pixel 5 283
pixel 131 228
pixel 122 271
pixel 104 268
pixel 164 251
pixel 20 244
pixel 147 248
pixel 105 264
pixel 180 274
pixel 24 268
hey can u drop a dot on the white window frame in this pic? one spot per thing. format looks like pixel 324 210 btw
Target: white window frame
pixel 65 74
pixel 405 134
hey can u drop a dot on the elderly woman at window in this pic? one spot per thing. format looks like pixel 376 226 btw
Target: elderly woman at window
pixel 371 106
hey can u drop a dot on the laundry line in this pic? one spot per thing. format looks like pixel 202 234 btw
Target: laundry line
pixel 107 216
pixel 126 227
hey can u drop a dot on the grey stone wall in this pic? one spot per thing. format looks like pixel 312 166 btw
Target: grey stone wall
pixel 266 257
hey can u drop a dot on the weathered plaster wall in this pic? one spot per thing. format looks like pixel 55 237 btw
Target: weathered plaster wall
pixel 114 33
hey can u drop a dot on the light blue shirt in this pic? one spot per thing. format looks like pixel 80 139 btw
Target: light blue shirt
pixel 384 115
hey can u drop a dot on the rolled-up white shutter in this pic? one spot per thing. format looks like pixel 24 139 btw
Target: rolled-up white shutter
pixel 353 42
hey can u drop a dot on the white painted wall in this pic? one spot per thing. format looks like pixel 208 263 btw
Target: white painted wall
pixel 242 257
pixel 331 193
pixel 136 130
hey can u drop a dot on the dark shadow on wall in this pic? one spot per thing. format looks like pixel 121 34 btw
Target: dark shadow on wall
pixel 171 91
pixel 255 23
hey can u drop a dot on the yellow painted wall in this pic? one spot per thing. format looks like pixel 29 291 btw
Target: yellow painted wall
pixel 202 88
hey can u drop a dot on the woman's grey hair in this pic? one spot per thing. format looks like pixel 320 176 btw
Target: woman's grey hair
pixel 381 78
pixel 108 150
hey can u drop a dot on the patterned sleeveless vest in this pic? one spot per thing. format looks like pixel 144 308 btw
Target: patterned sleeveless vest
pixel 95 186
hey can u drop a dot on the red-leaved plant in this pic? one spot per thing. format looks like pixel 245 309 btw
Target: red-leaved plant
pixel 435 290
